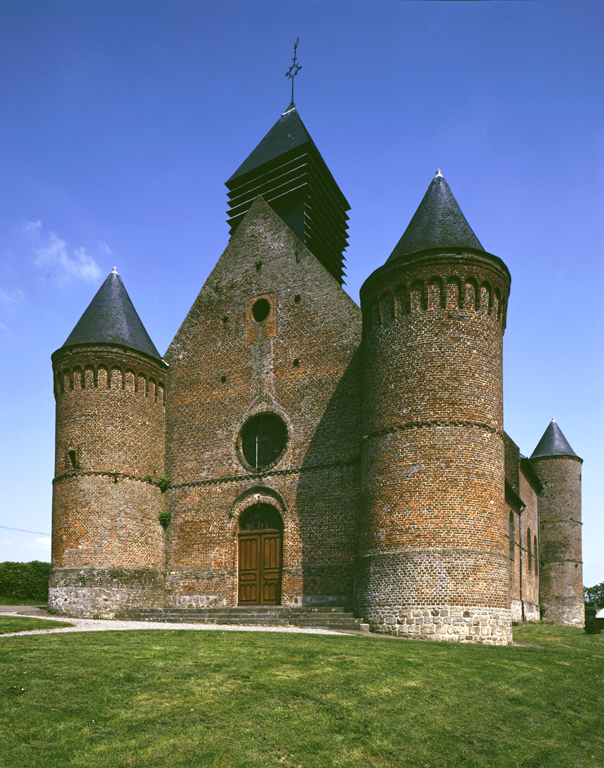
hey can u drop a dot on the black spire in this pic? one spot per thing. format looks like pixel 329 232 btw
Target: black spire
pixel 287 169
pixel 553 443
pixel 437 223
pixel 111 319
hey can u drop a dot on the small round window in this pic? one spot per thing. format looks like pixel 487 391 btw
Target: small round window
pixel 263 440
pixel 261 310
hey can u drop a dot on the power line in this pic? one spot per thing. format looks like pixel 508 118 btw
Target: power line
pixel 22 531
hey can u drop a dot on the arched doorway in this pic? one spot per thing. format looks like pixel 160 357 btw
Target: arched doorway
pixel 260 547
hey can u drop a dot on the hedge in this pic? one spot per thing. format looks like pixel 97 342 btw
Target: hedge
pixel 24 581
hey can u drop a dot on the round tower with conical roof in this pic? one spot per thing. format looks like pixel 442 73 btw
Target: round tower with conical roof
pixel 107 541
pixel 433 562
pixel 561 574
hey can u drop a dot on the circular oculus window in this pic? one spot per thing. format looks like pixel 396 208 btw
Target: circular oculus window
pixel 261 309
pixel 263 440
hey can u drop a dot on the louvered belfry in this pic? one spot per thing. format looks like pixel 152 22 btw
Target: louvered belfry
pixel 287 170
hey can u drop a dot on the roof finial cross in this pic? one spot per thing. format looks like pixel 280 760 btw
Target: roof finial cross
pixel 294 69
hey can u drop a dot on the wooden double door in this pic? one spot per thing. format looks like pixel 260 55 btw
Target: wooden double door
pixel 260 551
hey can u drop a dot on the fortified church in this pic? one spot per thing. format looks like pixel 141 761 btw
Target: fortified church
pixel 292 450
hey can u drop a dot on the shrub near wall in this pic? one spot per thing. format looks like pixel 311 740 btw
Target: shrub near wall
pixel 24 581
pixel 594 596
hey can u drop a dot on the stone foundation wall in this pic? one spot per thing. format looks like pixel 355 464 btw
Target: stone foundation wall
pixel 531 612
pixel 569 611
pixel 454 624
pixel 89 592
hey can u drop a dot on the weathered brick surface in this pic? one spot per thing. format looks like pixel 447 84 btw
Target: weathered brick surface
pixel 523 543
pixel 302 364
pixel 432 529
pixel 109 438
pixel 391 485
pixel 561 562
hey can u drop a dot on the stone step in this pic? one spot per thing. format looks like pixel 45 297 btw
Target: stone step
pixel 258 616
pixel 266 620
pixel 243 616
pixel 353 624
pixel 282 616
pixel 274 612
pixel 254 608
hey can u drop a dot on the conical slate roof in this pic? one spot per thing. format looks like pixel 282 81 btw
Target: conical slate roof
pixel 437 223
pixel 287 170
pixel 553 443
pixel 111 319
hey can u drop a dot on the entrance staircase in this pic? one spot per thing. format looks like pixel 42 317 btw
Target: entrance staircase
pixel 257 615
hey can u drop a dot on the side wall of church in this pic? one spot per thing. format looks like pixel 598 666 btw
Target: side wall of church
pixel 522 534
pixel 107 548
pixel 530 550
pixel 301 363
pixel 523 547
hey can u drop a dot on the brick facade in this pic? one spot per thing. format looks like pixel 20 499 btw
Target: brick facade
pixel 107 543
pixel 391 487
pixel 523 489
pixel 224 368
pixel 433 465
pixel 561 561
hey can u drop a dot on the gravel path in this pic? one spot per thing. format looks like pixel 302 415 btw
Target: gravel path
pixel 101 625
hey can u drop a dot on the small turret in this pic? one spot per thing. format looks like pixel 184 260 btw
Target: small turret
pixel 107 543
pixel 559 470
pixel 433 562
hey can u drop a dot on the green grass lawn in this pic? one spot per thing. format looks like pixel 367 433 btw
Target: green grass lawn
pixel 25 624
pixel 210 699
pixel 16 601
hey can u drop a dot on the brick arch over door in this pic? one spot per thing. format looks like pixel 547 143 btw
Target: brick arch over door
pixel 260 555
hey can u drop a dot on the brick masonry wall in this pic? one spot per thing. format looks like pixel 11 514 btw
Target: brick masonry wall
pixel 530 550
pixel 560 523
pixel 302 363
pixel 433 531
pixel 524 591
pixel 109 438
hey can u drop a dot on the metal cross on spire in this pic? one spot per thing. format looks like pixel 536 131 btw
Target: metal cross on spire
pixel 294 69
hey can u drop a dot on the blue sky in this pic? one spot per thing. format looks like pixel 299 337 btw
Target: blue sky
pixel 122 120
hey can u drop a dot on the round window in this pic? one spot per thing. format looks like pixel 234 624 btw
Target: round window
pixel 261 310
pixel 263 440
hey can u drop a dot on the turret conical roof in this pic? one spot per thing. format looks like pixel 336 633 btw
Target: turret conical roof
pixel 287 170
pixel 437 223
pixel 553 443
pixel 111 319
